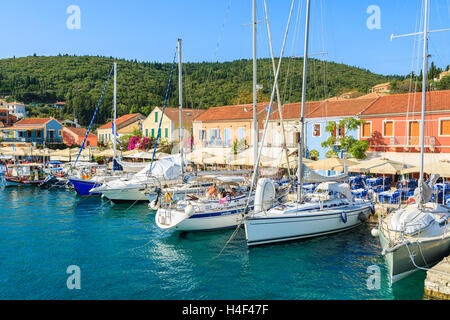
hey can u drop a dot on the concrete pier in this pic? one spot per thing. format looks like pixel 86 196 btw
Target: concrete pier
pixel 437 282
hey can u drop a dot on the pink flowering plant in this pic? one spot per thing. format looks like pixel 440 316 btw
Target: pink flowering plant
pixel 139 143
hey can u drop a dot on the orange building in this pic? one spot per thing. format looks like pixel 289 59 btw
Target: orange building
pixel 75 136
pixel 393 123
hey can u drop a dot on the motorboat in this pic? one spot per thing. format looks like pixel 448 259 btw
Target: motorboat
pixel 88 177
pixel 23 175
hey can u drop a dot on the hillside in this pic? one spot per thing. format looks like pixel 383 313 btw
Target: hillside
pixel 79 80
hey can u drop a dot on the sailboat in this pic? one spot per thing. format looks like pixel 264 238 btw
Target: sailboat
pixel 223 205
pixel 166 172
pixel 417 236
pixel 88 178
pixel 330 209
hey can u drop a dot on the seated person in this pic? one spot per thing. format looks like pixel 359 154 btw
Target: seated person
pixel 212 191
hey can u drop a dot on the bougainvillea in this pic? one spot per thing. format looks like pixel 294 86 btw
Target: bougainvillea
pixel 139 143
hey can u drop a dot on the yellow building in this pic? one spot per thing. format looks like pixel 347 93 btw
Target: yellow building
pixel 125 125
pixel 170 123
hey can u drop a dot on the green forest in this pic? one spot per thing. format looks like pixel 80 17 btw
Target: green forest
pixel 79 80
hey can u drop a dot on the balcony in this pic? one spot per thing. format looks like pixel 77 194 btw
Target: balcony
pixel 32 140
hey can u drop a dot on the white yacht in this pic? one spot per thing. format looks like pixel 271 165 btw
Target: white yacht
pixel 329 209
pixel 221 207
pixel 164 172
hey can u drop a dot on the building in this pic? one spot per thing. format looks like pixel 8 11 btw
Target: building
pixel 382 87
pixel 15 108
pixel 104 133
pixel 75 136
pixel 393 123
pixel 441 75
pixel 6 119
pixel 170 123
pixel 33 131
pixel 221 126
pixel 58 105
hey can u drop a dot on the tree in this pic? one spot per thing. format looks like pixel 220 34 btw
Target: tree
pixel 339 141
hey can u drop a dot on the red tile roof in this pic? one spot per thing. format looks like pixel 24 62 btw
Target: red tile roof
pixel 189 115
pixel 409 103
pixel 79 131
pixel 33 121
pixel 237 112
pixel 341 108
pixel 120 120
pixel 293 110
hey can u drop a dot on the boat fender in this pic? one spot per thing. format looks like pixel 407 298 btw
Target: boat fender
pixel 344 217
pixel 189 210
pixel 374 232
pixel 154 205
pixel 265 195
pixel 362 216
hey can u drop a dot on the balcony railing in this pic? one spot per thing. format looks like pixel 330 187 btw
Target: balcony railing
pixel 405 141
pixel 34 140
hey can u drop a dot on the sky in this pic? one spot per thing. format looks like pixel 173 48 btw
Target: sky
pixel 220 30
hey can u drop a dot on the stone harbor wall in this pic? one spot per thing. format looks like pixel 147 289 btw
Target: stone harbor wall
pixel 437 283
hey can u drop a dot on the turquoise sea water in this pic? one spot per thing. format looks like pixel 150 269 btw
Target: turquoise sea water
pixel 123 255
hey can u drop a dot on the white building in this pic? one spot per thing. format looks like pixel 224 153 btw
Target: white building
pixel 16 108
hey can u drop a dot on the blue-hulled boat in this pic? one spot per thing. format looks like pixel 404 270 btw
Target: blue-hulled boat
pixel 83 186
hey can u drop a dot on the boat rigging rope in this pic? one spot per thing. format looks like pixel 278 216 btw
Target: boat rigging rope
pixel 255 170
pixel 164 108
pixel 92 120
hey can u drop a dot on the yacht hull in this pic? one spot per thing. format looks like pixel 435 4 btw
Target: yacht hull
pixel 125 194
pixel 264 230
pixel 178 220
pixel 83 186
pixel 425 254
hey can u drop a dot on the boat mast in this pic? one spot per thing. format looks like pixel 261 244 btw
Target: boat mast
pixel 302 117
pixel 424 90
pixel 280 107
pixel 180 97
pixel 255 119
pixel 115 115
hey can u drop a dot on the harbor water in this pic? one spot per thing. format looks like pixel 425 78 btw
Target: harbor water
pixel 123 255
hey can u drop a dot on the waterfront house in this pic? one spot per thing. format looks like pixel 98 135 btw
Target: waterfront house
pixel 170 124
pixel 221 126
pixel 75 136
pixel 318 114
pixel 393 123
pixel 34 131
pixel 104 133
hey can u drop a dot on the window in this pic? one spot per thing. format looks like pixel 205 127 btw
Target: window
pixel 166 132
pixel 38 134
pixel 153 132
pixel 388 129
pixel 241 133
pixel 445 127
pixel 341 131
pixel 156 116
pixel 316 130
pixel 227 135
pixel 146 132
pixel 202 134
pixel 59 133
pixel 366 129
pixel 214 135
